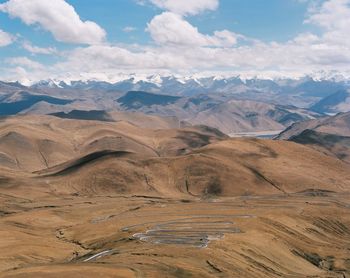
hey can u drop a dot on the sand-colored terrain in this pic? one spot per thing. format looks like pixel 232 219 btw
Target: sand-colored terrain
pixel 302 235
pixel 113 199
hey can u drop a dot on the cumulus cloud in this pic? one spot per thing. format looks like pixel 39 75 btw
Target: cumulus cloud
pixel 331 15
pixel 5 38
pixel 181 48
pixel 25 62
pixel 226 38
pixel 172 29
pixel 334 17
pixel 186 7
pixel 57 17
pixel 109 57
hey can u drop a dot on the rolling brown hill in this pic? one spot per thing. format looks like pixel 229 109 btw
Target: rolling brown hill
pixel 232 167
pixel 113 199
pixel 119 157
pixel 33 143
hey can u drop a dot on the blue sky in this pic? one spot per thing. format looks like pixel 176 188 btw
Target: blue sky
pixel 255 18
pixel 104 39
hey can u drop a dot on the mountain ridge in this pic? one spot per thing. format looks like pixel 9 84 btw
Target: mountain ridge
pixel 330 135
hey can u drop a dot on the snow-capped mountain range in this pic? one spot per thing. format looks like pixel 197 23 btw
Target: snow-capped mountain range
pixel 198 85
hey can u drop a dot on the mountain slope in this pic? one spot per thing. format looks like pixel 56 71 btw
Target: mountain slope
pixel 32 143
pixel 12 104
pixel 190 100
pixel 92 115
pixel 227 168
pixel 330 135
pixel 247 116
pixel 97 157
pixel 335 103
pixel 338 125
pixel 137 99
pixel 228 115
pixel 329 143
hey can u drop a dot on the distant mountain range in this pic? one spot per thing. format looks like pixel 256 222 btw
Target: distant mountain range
pixel 232 105
pixel 194 86
pixel 229 115
pixel 304 92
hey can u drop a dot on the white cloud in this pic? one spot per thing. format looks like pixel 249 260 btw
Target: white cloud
pixel 181 48
pixel 23 75
pixel 38 50
pixel 116 58
pixel 57 17
pixel 331 15
pixel 25 62
pixel 186 7
pixel 26 70
pixel 334 17
pixel 5 38
pixel 226 38
pixel 172 29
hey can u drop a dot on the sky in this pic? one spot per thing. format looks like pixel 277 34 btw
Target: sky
pixel 112 39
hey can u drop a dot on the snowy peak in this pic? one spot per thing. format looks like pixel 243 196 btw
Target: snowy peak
pixel 174 85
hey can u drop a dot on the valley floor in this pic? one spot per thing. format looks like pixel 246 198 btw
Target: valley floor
pixel 295 235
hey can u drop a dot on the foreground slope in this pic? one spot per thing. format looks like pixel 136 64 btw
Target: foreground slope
pixel 113 199
pixel 300 235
